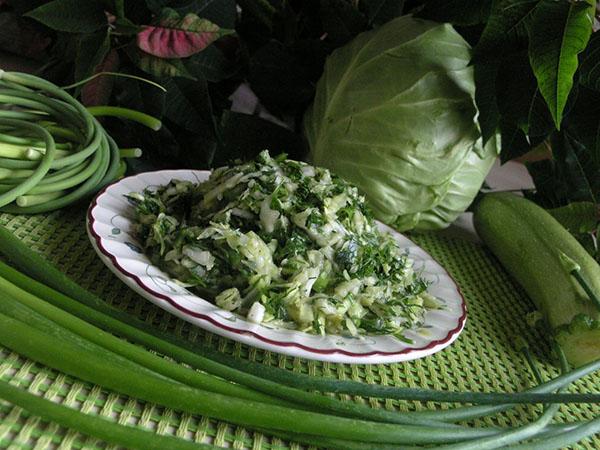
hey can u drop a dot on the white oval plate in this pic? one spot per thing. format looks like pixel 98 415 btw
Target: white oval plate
pixel 109 222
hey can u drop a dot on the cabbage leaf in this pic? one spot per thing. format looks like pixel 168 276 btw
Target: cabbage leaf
pixel 394 114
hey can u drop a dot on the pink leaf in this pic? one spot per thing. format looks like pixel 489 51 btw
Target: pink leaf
pixel 97 91
pixel 175 37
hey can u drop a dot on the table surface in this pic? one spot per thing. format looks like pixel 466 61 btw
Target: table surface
pixel 482 359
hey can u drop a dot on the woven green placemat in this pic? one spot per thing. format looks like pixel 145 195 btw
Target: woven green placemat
pixel 482 359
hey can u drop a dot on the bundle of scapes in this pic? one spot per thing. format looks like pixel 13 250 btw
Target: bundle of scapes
pixel 283 242
pixel 62 331
pixel 53 151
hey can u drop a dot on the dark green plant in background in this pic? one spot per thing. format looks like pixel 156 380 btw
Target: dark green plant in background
pixel 200 51
pixel 537 73
pixel 536 62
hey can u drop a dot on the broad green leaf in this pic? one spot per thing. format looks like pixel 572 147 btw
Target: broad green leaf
pixel 341 21
pixel 125 27
pixel 221 12
pixel 582 121
pixel 74 16
pixel 244 136
pixel 539 118
pixel 589 64
pixel 211 64
pixel 457 12
pixel 571 175
pixel 163 68
pixel 513 140
pixel 64 45
pixel 260 13
pixel 188 106
pixel 551 191
pixel 582 220
pixel 578 167
pixel 187 103
pixel 506 30
pixel 141 96
pixel 519 100
pixel 91 50
pixel 382 11
pixel 485 98
pixel 22 37
pixel 560 31
pixel 175 37
pixel 119 8
pixel 577 217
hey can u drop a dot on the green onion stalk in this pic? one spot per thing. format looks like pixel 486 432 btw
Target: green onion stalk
pixel 47 317
pixel 42 338
pixel 53 150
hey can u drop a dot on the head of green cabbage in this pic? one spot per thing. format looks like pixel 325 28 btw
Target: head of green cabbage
pixel 394 113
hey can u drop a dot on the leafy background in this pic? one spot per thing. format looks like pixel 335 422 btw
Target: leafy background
pixel 537 71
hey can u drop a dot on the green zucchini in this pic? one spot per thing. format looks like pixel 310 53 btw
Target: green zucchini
pixel 550 265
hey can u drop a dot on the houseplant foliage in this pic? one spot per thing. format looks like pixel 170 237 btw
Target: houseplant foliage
pixel 537 82
pixel 536 65
pixel 200 51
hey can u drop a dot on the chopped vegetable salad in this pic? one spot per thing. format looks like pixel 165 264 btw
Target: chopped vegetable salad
pixel 283 242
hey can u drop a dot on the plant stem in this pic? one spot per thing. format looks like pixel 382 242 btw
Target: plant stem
pixel 586 287
pixel 125 113
pixel 130 152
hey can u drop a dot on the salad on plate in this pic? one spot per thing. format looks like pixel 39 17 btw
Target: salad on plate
pixel 283 242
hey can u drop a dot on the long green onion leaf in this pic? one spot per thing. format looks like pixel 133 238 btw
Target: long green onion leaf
pixel 97 426
pixel 127 350
pixel 66 352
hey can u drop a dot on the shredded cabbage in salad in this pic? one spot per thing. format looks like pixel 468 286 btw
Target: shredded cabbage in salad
pixel 283 242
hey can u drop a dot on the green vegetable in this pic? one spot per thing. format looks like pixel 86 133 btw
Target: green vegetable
pixel 53 151
pixel 513 436
pixel 126 436
pixel 114 111
pixel 97 312
pixel 33 328
pixel 283 242
pixel 129 351
pixel 561 278
pixel 191 378
pixel 262 384
pixel 35 337
pixel 564 439
pixel 60 347
pixel 394 114
pixel 27 334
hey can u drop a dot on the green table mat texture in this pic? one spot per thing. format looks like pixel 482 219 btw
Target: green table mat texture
pixel 482 359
